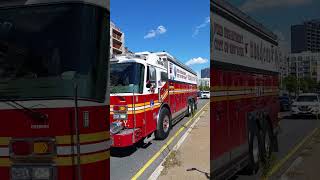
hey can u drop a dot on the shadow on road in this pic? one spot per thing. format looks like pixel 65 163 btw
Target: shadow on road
pixel 122 152
pixel 127 151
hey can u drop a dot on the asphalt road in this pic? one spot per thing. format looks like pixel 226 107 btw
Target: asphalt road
pixel 292 132
pixel 125 163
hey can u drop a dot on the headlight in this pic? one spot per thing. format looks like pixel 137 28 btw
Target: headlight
pixel 120 116
pixel 116 127
pixel 20 173
pixel 41 173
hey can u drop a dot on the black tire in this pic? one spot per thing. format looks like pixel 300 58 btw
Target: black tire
pixel 267 139
pixel 255 150
pixel 189 114
pixel 193 107
pixel 162 131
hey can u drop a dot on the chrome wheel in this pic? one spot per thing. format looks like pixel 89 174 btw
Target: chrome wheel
pixel 166 123
pixel 255 151
pixel 267 143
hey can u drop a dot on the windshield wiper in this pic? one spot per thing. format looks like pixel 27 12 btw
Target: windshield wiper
pixel 33 114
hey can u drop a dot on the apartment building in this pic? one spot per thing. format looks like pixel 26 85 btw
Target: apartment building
pixel 305 64
pixel 117 42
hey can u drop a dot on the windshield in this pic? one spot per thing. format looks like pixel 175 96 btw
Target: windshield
pixel 307 99
pixel 127 78
pixel 45 49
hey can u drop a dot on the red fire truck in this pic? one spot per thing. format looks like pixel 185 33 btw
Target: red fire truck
pixel 244 101
pixel 53 104
pixel 149 93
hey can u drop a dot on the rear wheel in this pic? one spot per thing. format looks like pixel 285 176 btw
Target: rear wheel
pixel 190 108
pixel 254 151
pixel 164 124
pixel 267 141
pixel 194 107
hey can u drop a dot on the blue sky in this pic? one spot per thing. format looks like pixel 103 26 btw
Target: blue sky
pixel 279 15
pixel 178 26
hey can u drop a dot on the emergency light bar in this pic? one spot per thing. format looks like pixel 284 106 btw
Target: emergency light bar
pixel 129 56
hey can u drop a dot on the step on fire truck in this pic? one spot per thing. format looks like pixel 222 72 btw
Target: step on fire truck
pixel 150 92
pixel 244 94
pixel 53 104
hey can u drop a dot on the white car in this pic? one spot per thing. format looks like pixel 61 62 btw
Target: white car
pixel 205 94
pixel 306 104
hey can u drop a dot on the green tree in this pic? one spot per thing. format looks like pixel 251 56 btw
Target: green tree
pixel 201 88
pixel 290 83
pixel 308 84
pixel 206 88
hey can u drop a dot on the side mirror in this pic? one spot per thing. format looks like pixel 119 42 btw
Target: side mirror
pixel 148 85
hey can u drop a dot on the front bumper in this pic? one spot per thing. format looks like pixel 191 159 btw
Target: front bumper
pixel 311 111
pixel 126 138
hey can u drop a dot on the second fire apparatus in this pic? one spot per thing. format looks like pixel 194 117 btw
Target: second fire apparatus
pixel 244 101
pixel 53 104
pixel 149 93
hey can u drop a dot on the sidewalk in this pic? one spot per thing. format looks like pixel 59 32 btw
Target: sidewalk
pixel 306 165
pixel 193 154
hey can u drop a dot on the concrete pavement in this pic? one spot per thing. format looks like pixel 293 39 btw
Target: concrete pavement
pixel 192 159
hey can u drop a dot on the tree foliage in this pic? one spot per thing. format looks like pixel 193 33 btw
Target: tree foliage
pixel 293 84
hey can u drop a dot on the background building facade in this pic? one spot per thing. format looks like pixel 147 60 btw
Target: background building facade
pixel 205 73
pixel 283 67
pixel 117 43
pixel 306 37
pixel 305 65
pixel 204 82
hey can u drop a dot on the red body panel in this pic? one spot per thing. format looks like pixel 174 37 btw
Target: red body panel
pixel 146 115
pixel 16 124
pixel 235 95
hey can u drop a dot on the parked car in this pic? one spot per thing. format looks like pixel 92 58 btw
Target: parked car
pixel 284 103
pixel 205 94
pixel 306 104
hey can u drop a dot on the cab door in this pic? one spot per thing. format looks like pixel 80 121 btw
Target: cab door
pixel 152 99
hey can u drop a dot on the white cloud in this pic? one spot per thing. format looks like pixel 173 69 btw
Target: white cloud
pixel 203 25
pixel 198 60
pixel 161 29
pixel 153 33
pixel 253 5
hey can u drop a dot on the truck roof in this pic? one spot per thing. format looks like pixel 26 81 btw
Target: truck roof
pixel 245 19
pixel 170 58
pixel 102 3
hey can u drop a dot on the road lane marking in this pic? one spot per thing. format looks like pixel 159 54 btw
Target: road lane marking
pixel 293 166
pixel 154 157
pixel 280 163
